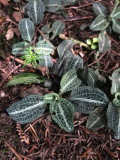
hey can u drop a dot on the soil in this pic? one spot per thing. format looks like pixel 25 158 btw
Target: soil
pixel 43 139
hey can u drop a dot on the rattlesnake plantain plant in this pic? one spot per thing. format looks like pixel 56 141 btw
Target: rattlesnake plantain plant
pixel 81 98
pixel 103 21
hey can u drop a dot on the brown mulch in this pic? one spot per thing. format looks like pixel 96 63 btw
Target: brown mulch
pixel 43 139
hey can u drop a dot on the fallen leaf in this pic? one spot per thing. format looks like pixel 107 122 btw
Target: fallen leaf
pixel 9 35
pixel 17 16
pixel 4 2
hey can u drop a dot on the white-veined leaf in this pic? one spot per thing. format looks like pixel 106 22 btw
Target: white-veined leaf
pixel 87 98
pixel 116 26
pixel 35 10
pixel 115 81
pixel 18 48
pixel 116 100
pixel 113 119
pixel 104 42
pixel 60 64
pixel 114 8
pixel 74 62
pixel 69 2
pixel 51 97
pixel 100 23
pixel 98 8
pixel 116 14
pixel 63 114
pixel 44 47
pixel 96 120
pixel 53 5
pixel 28 109
pixel 46 61
pixel 26 78
pixel 69 81
pixel 57 28
pixel 26 28
pixel 65 46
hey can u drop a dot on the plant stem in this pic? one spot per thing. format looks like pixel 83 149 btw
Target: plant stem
pixel 62 36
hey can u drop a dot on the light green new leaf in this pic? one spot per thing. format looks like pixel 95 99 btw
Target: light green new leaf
pixel 113 119
pixel 35 10
pixel 63 114
pixel 116 100
pixel 116 14
pixel 53 5
pixel 104 42
pixel 115 81
pixel 69 2
pixel 65 46
pixel 27 109
pixel 51 97
pixel 100 23
pixel 44 47
pixel 69 81
pixel 18 48
pixel 57 28
pixel 96 120
pixel 114 8
pixel 26 78
pixel 87 98
pixel 116 26
pixel 26 28
pixel 98 8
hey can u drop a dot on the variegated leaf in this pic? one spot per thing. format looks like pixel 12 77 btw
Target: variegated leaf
pixel 18 48
pixel 115 81
pixel 116 100
pixel 60 64
pixel 113 119
pixel 53 5
pixel 44 47
pixel 57 28
pixel 96 120
pixel 114 8
pixel 63 114
pixel 35 10
pixel 75 62
pixel 100 23
pixel 28 109
pixel 104 42
pixel 69 2
pixel 87 98
pixel 116 26
pixel 26 28
pixel 69 81
pixel 116 14
pixel 65 46
pixel 26 78
pixel 46 61
pixel 98 8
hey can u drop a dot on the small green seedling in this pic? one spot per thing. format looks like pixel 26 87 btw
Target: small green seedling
pixel 92 42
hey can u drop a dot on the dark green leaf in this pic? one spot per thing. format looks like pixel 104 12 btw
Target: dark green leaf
pixel 116 14
pixel 69 2
pixel 63 114
pixel 104 42
pixel 18 48
pixel 114 8
pixel 69 81
pixel 26 28
pixel 87 98
pixel 116 26
pixel 113 119
pixel 98 8
pixel 28 109
pixel 100 23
